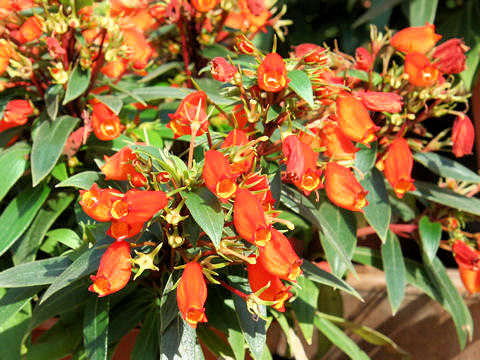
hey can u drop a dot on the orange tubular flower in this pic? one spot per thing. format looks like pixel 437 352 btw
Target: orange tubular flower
pixel 96 202
pixel 120 230
pixel 106 124
pixel 30 30
pixel 343 189
pixel 138 206
pixel 259 184
pixel 243 159
pixel 463 136
pixel 119 166
pixel 354 120
pixel 114 270
pixel 279 258
pixel 204 5
pixel 451 56
pixel 249 218
pixel 468 260
pixel 16 113
pixel 381 101
pixel 139 50
pixel 339 146
pixel 192 294
pixel 418 39
pixel 191 116
pixel 259 277
pixel 363 59
pixel 218 176
pixel 222 70
pixel 419 70
pixel 398 167
pixel 6 52
pixel 272 73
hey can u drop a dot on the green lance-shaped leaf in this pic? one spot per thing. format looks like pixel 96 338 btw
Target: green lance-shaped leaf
pixel 83 180
pixel 365 158
pixel 95 327
pixel 206 210
pixel 77 84
pixel 446 167
pixel 147 343
pixel 301 85
pixel 113 102
pixel 430 235
pixel 18 215
pixel 394 268
pixel 214 343
pixel 179 342
pixel 305 305
pixel 13 300
pixel 52 100
pixel 15 160
pixel 48 144
pixel 40 272
pixel 422 11
pixel 378 212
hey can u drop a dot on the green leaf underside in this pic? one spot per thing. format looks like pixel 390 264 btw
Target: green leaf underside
pixel 446 167
pixel 430 235
pixel 394 268
pixel 77 83
pixel 305 305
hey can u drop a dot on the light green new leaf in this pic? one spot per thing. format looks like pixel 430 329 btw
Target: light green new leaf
pixel 394 268
pixel 430 235
pixel 83 180
pixel 301 85
pixel 48 144
pixel 95 327
pixel 446 167
pixel 422 11
pixel 15 160
pixel 18 215
pixel 77 84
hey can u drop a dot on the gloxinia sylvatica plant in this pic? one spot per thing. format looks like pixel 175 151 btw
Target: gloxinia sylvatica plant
pixel 166 175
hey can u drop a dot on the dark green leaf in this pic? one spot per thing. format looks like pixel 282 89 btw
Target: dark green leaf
pixel 340 339
pixel 207 212
pixel 59 171
pixel 18 215
pixel 66 237
pixel 95 327
pixel 301 85
pixel 12 334
pixel 473 60
pixel 446 167
pixel 299 204
pixel 179 342
pixel 113 102
pixel 147 346
pixel 48 145
pixel 451 300
pixel 83 180
pixel 162 69
pixel 430 235
pixel 422 11
pixel 77 84
pixel 214 343
pixel 153 93
pixel 40 272
pixel 446 197
pixel 52 100
pixel 321 276
pixel 25 250
pixel 343 222
pixel 305 305
pixel 13 300
pixel 394 268
pixel 378 212
pixel 365 158
pixel 15 160
pixel 168 302
pixel 273 112
pixel 217 50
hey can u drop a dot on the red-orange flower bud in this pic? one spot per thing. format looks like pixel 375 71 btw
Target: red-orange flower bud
pixel 96 202
pixel 311 53
pixel 30 30
pixel 451 56
pixel 343 189
pixel 364 61
pixel 222 70
pixel 249 218
pixel 420 71
pixel 398 166
pixel 463 136
pixel 467 260
pixel 418 39
pixel 259 277
pixel 338 145
pixel 114 270
pixel 354 120
pixel 105 123
pixel 119 165
pixel 121 230
pixel 272 73
pixel 279 258
pixel 138 206
pixel 204 5
pixel 192 294
pixel 191 115
pixel 218 176
pixel 15 114
pixel 381 101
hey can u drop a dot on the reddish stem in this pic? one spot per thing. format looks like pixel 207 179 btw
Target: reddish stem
pixel 186 58
pixel 233 290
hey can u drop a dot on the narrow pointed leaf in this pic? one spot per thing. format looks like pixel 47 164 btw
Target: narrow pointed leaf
pixel 147 343
pixel 179 342
pixel 446 167
pixel 365 158
pixel 422 11
pixel 13 300
pixel 394 268
pixel 83 180
pixel 95 327
pixel 301 85
pixel 305 305
pixel 15 160
pixel 430 235
pixel 77 83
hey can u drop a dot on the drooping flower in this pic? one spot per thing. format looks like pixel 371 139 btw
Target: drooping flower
pixel 260 188
pixel 243 156
pixel 420 71
pixel 259 277
pixel 222 70
pixel 120 165
pixel 97 202
pixel 311 53
pixel 272 73
pixel 468 265
pixel 15 114
pixel 218 176
pixel 398 166
pixel 30 30
pixel 279 258
pixel 192 294
pixel 363 59
pixel 451 56
pixel 463 136
pixel 343 189
pixel 139 50
pixel 249 218
pixel 191 116
pixel 338 145
pixel 6 53
pixel 419 39
pixel 354 120
pixel 138 206
pixel 114 270
pixel 121 230
pixel 381 101
pixel 106 124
